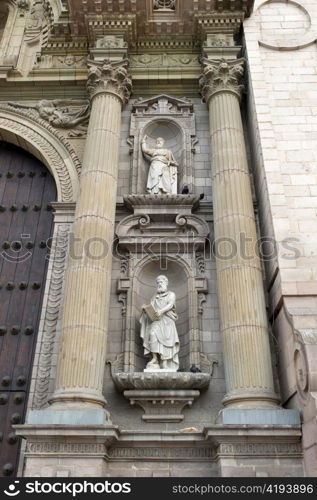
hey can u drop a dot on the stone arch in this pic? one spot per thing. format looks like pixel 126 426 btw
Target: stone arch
pixel 48 146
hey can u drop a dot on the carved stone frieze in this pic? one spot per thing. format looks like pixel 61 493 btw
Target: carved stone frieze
pixel 110 78
pixel 52 310
pixel 153 453
pixel 222 26
pixel 164 60
pixel 260 449
pixel 47 61
pixel 110 42
pixel 181 226
pixel 60 113
pixel 43 448
pixel 221 75
pixel 164 4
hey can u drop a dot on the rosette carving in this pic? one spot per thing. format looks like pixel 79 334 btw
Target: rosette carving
pixel 111 77
pixel 221 75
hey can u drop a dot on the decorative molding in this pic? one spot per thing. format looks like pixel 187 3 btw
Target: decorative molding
pixel 163 105
pixel 162 405
pixel 145 227
pixel 262 449
pixel 52 311
pixel 48 145
pixel 65 448
pixel 48 61
pixel 111 78
pixel 200 453
pixel 164 60
pixel 296 39
pixel 164 43
pixel 200 263
pixel 221 75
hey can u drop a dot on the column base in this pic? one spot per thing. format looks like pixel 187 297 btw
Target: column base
pixel 69 416
pixel 263 416
pixel 62 399
pixel 251 399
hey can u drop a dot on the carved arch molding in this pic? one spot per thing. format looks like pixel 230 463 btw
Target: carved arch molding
pixel 48 146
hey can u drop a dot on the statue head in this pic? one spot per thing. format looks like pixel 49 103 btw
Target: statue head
pixel 162 283
pixel 160 142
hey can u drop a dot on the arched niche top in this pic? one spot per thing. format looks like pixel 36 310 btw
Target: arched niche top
pixel 48 146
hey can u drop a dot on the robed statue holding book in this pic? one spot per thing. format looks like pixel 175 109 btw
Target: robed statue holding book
pixel 158 329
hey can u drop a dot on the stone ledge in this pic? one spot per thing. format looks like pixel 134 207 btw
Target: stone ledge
pixel 164 380
pixel 260 417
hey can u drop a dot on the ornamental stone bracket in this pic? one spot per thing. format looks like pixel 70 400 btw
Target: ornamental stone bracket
pixel 162 396
pixel 162 218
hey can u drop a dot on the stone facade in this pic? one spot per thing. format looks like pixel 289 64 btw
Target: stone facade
pixel 237 109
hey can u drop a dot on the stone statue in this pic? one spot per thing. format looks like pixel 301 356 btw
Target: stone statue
pixel 162 177
pixel 58 113
pixel 37 15
pixel 158 330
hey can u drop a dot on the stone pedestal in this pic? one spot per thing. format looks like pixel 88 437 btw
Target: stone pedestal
pixel 162 395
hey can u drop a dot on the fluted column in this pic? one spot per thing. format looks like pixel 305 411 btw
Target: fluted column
pixel 243 320
pixel 81 362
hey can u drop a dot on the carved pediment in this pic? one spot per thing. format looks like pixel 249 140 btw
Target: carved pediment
pixel 163 104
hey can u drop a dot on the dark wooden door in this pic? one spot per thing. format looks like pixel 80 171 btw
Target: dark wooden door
pixel 26 191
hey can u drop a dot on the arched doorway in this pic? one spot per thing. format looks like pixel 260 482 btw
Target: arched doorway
pixel 26 191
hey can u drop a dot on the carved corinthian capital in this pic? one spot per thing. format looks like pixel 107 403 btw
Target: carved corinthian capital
pixel 221 75
pixel 110 78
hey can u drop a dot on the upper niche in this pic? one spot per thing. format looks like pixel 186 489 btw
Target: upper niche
pixel 173 120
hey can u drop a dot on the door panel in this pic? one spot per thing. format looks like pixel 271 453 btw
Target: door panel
pixel 26 191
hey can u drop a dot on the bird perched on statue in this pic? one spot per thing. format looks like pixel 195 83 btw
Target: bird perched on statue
pixel 185 190
pixel 194 369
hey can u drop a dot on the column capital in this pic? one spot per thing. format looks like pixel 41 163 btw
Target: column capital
pixel 221 75
pixel 110 77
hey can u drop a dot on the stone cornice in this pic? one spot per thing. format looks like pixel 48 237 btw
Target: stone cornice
pixel 110 78
pixel 221 75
